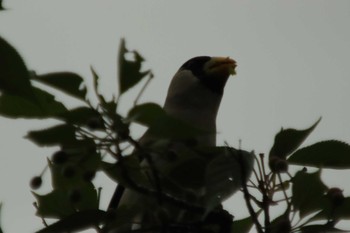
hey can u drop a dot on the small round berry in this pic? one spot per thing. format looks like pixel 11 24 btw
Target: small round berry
pixel 95 123
pixel 36 182
pixel 336 196
pixel 278 165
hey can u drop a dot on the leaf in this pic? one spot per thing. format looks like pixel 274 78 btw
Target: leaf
pixel 224 173
pixel 96 79
pixel 57 135
pixel 319 228
pixel 14 76
pixel 55 204
pixel 307 192
pixel 341 212
pixel 67 82
pixel 77 221
pixel 281 224
pixel 288 140
pixel 161 124
pixel 242 225
pixel 129 71
pixel 82 162
pixel 49 106
pixel 14 106
pixel 18 107
pixel 88 199
pixel 326 154
pixel 146 114
pixel 59 204
pixel 82 116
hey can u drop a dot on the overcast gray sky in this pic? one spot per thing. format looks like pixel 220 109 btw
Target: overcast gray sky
pixel 293 67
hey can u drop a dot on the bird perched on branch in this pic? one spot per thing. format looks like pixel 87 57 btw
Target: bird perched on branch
pixel 194 97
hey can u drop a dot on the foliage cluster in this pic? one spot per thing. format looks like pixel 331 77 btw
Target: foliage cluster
pixel 89 135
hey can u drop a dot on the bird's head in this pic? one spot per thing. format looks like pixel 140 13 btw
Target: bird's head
pixel 211 71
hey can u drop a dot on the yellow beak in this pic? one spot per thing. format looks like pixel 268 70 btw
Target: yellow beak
pixel 221 66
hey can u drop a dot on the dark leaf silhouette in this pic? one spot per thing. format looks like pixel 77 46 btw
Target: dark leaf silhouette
pixel 326 154
pixel 288 140
pixel 129 70
pixel 57 135
pixel 77 221
pixel 44 106
pixel 14 76
pixel 68 82
pixel 308 192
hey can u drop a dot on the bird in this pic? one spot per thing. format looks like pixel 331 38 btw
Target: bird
pixel 194 96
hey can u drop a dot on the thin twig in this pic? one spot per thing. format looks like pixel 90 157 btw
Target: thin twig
pixel 256 176
pixel 264 186
pixel 261 156
pixel 284 191
pixel 259 168
pixel 143 88
pixel 246 193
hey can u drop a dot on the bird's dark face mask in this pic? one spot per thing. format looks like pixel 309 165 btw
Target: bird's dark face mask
pixel 212 71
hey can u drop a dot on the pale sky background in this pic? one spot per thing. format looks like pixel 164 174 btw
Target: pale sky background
pixel 293 67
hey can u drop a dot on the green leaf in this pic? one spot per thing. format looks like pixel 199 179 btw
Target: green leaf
pixel 110 107
pixel 76 222
pixel 319 228
pixel 18 107
pixel 14 76
pixel 89 198
pixel 82 116
pixel 288 140
pixel 56 204
pixel 224 173
pixel 146 114
pixel 326 154
pixel 67 82
pixel 242 225
pixel 96 79
pixel 328 211
pixel 14 106
pixel 57 135
pixel 78 169
pixel 161 124
pixel 129 71
pixel 307 192
pixel 281 224
pixel 49 106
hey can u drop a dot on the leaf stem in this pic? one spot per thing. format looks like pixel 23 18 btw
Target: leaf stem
pixel 246 193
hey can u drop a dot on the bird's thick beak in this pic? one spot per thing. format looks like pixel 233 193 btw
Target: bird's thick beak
pixel 221 65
